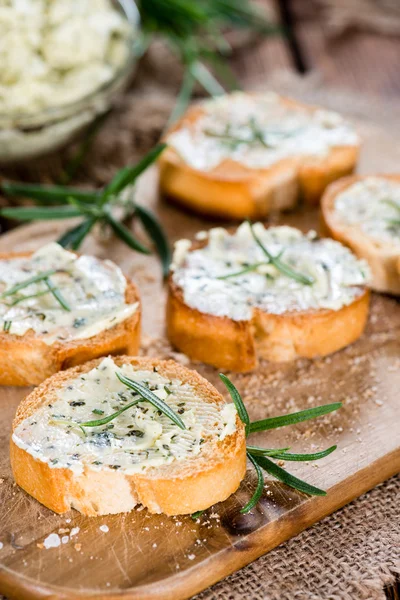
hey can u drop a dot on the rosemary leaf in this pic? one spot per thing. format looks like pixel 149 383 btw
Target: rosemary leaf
pixel 184 96
pixel 393 222
pixel 156 233
pixel 287 456
pixel 228 137
pixel 223 70
pixel 57 294
pixel 297 417
pixel 290 480
pixel 105 420
pixel 23 284
pixel 47 194
pixel 74 237
pixel 392 203
pixel 22 298
pixel 206 79
pixel 43 213
pixel 148 395
pixel 248 269
pixel 278 264
pixel 7 325
pixel 256 451
pixel 197 514
pixel 125 235
pixel 259 489
pixel 238 402
pixel 128 175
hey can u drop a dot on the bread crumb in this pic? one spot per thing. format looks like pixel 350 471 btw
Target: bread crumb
pixel 74 531
pixel 78 547
pixel 52 541
pixel 104 528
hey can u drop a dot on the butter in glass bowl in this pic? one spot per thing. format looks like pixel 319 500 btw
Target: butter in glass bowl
pixel 62 64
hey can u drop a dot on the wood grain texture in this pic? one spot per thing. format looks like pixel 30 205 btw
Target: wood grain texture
pixel 148 557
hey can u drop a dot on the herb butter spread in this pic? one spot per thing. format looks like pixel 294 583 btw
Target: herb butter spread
pixel 138 438
pixel 258 131
pixel 373 205
pixel 92 291
pixel 230 275
pixel 54 52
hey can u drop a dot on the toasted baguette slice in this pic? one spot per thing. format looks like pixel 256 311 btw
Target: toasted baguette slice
pixel 238 343
pixel 28 360
pixel 381 252
pixel 232 189
pixel 211 473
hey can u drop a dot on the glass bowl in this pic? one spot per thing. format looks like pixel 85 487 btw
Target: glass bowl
pixel 27 136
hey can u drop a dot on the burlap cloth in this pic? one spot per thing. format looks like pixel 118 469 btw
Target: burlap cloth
pixel 353 554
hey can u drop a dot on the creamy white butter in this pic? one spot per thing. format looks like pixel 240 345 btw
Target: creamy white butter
pixel 93 289
pixel 285 131
pixel 371 205
pixel 137 439
pixel 338 275
pixel 54 52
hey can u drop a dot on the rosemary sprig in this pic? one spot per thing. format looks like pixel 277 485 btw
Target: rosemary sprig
pixel 148 395
pixel 281 266
pixel 194 32
pixel 260 457
pixel 57 294
pixel 7 325
pixel 23 284
pixel 114 415
pixel 60 202
pixel 257 137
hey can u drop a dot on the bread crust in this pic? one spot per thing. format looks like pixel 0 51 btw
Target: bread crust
pixel 232 190
pixel 238 345
pixel 382 257
pixel 171 489
pixel 27 360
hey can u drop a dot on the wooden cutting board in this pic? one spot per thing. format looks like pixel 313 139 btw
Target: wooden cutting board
pixel 143 556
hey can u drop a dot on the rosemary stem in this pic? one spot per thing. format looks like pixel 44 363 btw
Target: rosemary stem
pixel 23 284
pixel 278 264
